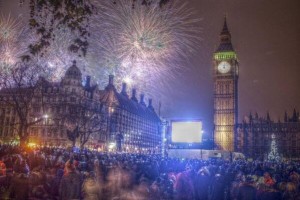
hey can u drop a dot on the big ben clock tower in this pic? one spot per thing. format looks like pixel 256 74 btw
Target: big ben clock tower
pixel 225 69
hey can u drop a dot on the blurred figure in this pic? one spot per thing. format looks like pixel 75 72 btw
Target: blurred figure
pixel 291 192
pixel 55 183
pixel 218 187
pixel 247 190
pixel 184 186
pixel 19 187
pixel 141 192
pixel 265 192
pixel 70 185
pixel 202 184
pixel 234 188
pixel 91 189
pixel 268 179
pixel 295 178
pixel 114 181
pixel 2 168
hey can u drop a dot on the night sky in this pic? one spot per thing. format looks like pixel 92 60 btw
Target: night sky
pixel 265 35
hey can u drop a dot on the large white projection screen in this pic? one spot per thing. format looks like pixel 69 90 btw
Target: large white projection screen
pixel 187 132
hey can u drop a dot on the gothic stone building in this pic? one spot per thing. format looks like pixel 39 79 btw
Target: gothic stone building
pixel 125 124
pixel 255 135
pixel 132 124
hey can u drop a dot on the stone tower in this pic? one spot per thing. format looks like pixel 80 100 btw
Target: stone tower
pixel 225 73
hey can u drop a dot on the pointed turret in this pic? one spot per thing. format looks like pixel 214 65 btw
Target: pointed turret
pixel 142 102
pixel 268 116
pixel 124 90
pixel 285 117
pixel 225 39
pixel 110 85
pixel 150 105
pixel 294 118
pixel 250 118
pixel 256 116
pixel 133 96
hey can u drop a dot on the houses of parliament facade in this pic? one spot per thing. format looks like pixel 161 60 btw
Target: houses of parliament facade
pixel 254 135
pixel 124 123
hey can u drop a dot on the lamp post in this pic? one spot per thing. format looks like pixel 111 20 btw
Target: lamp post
pixel 164 127
pixel 45 116
pixel 109 128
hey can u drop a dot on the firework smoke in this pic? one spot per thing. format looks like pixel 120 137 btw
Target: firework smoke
pixel 57 57
pixel 143 43
pixel 15 37
pixel 13 41
pixel 10 29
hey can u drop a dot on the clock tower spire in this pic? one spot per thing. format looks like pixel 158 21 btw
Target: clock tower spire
pixel 225 39
pixel 225 69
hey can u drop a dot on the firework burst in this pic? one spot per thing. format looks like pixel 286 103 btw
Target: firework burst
pixel 13 41
pixel 10 28
pixel 57 57
pixel 142 44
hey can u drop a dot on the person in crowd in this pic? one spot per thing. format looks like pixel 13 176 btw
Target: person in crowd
pixel 247 190
pixel 19 187
pixel 184 185
pixel 2 167
pixel 55 183
pixel 91 189
pixel 291 192
pixel 266 192
pixel 70 185
pixel 202 184
pixel 268 179
pixel 218 187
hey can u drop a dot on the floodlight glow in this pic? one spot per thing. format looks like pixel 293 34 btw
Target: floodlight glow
pixel 111 145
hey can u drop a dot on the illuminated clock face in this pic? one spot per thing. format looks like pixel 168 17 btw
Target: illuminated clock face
pixel 224 67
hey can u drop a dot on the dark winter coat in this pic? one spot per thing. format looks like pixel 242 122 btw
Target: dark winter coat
pixel 246 192
pixel 202 186
pixel 218 188
pixel 70 186
pixel 19 188
pixel 184 186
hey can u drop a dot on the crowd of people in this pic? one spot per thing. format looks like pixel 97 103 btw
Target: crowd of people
pixel 55 173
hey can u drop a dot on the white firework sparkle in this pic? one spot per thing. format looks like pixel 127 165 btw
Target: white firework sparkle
pixel 13 41
pixel 10 28
pixel 143 44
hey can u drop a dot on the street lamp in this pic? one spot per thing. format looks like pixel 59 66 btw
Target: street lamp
pixel 45 116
